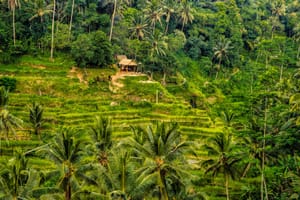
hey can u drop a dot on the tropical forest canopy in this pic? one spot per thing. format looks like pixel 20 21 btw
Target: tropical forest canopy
pixel 213 111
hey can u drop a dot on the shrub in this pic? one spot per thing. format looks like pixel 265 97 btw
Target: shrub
pixel 9 83
pixel 92 49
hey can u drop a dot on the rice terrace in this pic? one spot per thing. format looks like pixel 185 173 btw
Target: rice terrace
pixel 149 100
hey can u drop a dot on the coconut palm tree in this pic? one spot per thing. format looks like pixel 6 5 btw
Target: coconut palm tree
pixel 66 150
pixel 4 97
pixel 112 20
pixel 296 30
pixel 12 5
pixel 278 9
pixel 161 157
pixel 101 134
pixel 186 13
pixel 169 8
pixel 71 18
pixel 17 181
pixel 116 10
pixel 223 158
pixel 158 44
pixel 40 8
pixel 36 117
pixel 8 123
pixel 122 174
pixel 221 51
pixel 52 30
pixel 139 27
pixel 153 12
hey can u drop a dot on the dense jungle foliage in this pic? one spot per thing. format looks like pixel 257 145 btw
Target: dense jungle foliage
pixel 213 112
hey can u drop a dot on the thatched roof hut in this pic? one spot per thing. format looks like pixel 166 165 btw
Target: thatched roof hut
pixel 127 65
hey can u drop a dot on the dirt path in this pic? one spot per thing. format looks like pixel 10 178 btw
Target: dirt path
pixel 115 83
pixel 77 73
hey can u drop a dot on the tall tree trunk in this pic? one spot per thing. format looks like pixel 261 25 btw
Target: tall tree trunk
pixel 68 192
pixel 71 18
pixel 182 27
pixel 164 78
pixel 219 68
pixel 263 188
pixel 52 33
pixel 162 188
pixel 246 170
pixel 14 26
pixel 281 72
pixel 298 52
pixel 227 186
pixel 153 29
pixel 167 25
pixel 123 178
pixel 112 20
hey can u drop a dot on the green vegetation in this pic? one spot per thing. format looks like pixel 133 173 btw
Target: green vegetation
pixel 213 111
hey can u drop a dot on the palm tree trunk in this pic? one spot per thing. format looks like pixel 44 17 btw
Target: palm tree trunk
pixel 266 189
pixel 71 18
pixel 112 20
pixel 164 78
pixel 68 192
pixel 52 33
pixel 167 25
pixel 227 186
pixel 162 188
pixel 246 170
pixel 14 26
pixel 219 68
pixel 262 186
pixel 281 72
pixel 123 178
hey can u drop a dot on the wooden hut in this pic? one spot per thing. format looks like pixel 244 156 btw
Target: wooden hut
pixel 128 65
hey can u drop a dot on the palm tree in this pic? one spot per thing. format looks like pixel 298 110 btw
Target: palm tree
pixel 296 30
pixel 153 12
pixel 4 97
pixel 66 150
pixel 158 44
pixel 40 8
pixel 221 51
pixel 122 174
pixel 52 30
pixel 117 9
pixel 112 20
pixel 223 158
pixel 138 28
pixel 185 13
pixel 36 117
pixel 12 5
pixel 17 181
pixel 101 134
pixel 71 18
pixel 278 9
pixel 9 122
pixel 168 10
pixel 161 156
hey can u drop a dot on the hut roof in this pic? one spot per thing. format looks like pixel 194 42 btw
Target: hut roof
pixel 127 62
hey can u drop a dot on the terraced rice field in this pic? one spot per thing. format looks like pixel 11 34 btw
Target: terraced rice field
pixel 71 97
